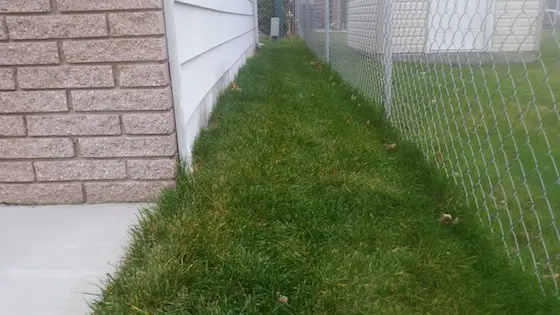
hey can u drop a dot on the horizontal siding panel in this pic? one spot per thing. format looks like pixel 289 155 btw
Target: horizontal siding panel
pixel 514 47
pixel 517 13
pixel 410 6
pixel 518 31
pixel 407 41
pixel 205 29
pixel 231 6
pixel 416 23
pixel 514 39
pixel 408 32
pixel 408 48
pixel 361 3
pixel 199 75
pixel 364 11
pixel 517 5
pixel 506 22
pixel 420 15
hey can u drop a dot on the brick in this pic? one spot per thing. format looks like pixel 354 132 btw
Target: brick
pixel 148 123
pixel 37 53
pixel 12 126
pixel 57 26
pixel 127 147
pixel 7 79
pixel 16 172
pixel 125 192
pixel 36 148
pixel 152 169
pixel 20 6
pixel 74 125
pixel 113 50
pixel 3 31
pixel 80 170
pixel 89 5
pixel 33 102
pixel 51 193
pixel 121 100
pixel 143 75
pixel 137 23
pixel 65 77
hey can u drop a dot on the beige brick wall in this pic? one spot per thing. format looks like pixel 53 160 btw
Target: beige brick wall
pixel 86 111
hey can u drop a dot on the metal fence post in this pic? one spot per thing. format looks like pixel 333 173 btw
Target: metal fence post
pixel 388 55
pixel 279 12
pixel 327 30
pixel 256 22
pixel 297 17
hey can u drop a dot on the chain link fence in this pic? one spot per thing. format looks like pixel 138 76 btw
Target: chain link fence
pixel 475 84
pixel 284 10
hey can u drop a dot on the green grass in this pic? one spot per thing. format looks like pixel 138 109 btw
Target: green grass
pixel 296 194
pixel 497 128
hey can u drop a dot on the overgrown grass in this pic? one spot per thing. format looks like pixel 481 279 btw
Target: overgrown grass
pixel 295 195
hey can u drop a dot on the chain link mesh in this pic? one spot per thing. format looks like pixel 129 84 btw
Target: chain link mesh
pixel 474 83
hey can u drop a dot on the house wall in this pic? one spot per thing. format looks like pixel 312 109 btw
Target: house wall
pixel 409 26
pixel 515 25
pixel 364 30
pixel 86 111
pixel 366 18
pixel 209 40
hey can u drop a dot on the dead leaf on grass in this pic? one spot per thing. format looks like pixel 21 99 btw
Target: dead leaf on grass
pixel 554 276
pixel 439 158
pixel 282 298
pixel 197 166
pixel 235 86
pixel 137 309
pixel 390 146
pixel 447 219
pixel 214 124
pixel 316 64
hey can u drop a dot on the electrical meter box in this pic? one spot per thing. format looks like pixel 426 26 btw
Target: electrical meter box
pixel 275 27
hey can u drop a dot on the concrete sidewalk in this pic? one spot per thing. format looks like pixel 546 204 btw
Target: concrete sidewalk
pixel 51 257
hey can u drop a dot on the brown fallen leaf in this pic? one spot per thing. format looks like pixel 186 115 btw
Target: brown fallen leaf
pixel 447 219
pixel 554 276
pixel 197 166
pixel 439 157
pixel 282 298
pixel 137 309
pixel 235 86
pixel 214 124
pixel 316 64
pixel 333 172
pixel 390 146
